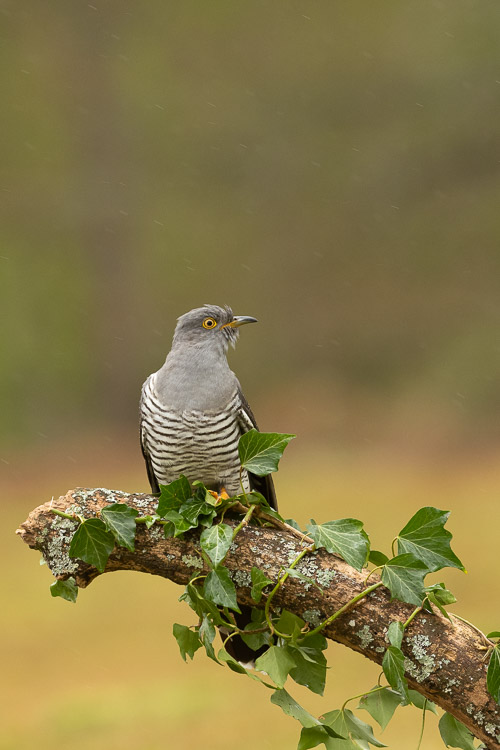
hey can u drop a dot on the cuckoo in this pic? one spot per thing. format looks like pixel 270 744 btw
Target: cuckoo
pixel 193 413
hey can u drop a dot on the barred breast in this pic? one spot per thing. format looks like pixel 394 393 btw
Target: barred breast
pixel 201 445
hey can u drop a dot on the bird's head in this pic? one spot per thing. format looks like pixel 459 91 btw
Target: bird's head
pixel 211 325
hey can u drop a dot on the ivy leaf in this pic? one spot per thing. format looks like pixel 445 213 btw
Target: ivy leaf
pixel 493 674
pixel 291 708
pixel 381 705
pixel 277 662
pixel 260 452
pixel 187 640
pixel 404 577
pixel 314 736
pixel 206 633
pixel 178 524
pixel 440 596
pixel 92 543
pixel 65 589
pixel 216 540
pixel 348 725
pixel 344 537
pixel 310 668
pixel 493 634
pixel 195 599
pixel 425 537
pixel 235 666
pixel 259 583
pixel 395 633
pixel 120 521
pixel 290 624
pixel 173 495
pixel 377 558
pixel 256 640
pixel 454 733
pixel 393 665
pixel 150 520
pixel 197 513
pixel 220 589
pixel 418 701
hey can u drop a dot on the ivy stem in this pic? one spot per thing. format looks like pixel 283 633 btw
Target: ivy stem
pixel 413 614
pixel 245 520
pixel 281 581
pixel 423 724
pixel 392 546
pixel 379 567
pixel 346 606
pixel 375 690
pixel 63 515
pixel 145 519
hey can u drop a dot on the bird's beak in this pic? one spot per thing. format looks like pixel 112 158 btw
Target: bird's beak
pixel 239 320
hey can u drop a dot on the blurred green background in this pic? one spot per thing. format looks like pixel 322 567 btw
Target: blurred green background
pixel 332 169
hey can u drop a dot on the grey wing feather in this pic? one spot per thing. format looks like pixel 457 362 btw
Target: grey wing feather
pixel 155 488
pixel 264 485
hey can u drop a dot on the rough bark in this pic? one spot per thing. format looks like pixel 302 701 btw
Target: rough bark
pixel 445 660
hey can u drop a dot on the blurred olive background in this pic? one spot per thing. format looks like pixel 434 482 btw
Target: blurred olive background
pixel 332 169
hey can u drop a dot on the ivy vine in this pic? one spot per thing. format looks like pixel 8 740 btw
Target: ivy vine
pixel 295 648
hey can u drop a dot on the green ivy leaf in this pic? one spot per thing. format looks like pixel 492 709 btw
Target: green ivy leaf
pixel 493 675
pixel 418 701
pixel 344 537
pixel 381 705
pixel 256 640
pixel 120 521
pixel 454 733
pixel 440 596
pixel 177 524
pixel 174 495
pixel 395 633
pixel 393 665
pixel 259 583
pixel 65 589
pixel 187 640
pixel 206 633
pixel 310 668
pixel 195 599
pixel 348 725
pixel 235 666
pixel 220 589
pixel 260 452
pixel 377 558
pixel 216 540
pixel 404 577
pixel 92 543
pixel 493 634
pixel 291 708
pixel 198 513
pixel 314 736
pixel 291 624
pixel 277 662
pixel 425 537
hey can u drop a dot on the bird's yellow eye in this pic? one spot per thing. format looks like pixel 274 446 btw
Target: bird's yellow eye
pixel 209 323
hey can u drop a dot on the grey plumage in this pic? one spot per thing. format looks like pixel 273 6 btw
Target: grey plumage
pixel 193 411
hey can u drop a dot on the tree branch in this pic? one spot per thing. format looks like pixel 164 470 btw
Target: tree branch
pixel 445 660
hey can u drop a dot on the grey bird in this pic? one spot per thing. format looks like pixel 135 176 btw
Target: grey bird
pixel 193 413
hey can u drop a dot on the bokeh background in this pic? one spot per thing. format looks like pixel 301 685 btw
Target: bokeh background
pixel 332 169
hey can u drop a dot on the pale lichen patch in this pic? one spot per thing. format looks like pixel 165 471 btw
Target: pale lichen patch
pixel 192 561
pixel 365 636
pixel 241 577
pixel 312 616
pixel 426 663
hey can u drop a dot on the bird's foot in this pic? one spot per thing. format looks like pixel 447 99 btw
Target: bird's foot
pixel 219 496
